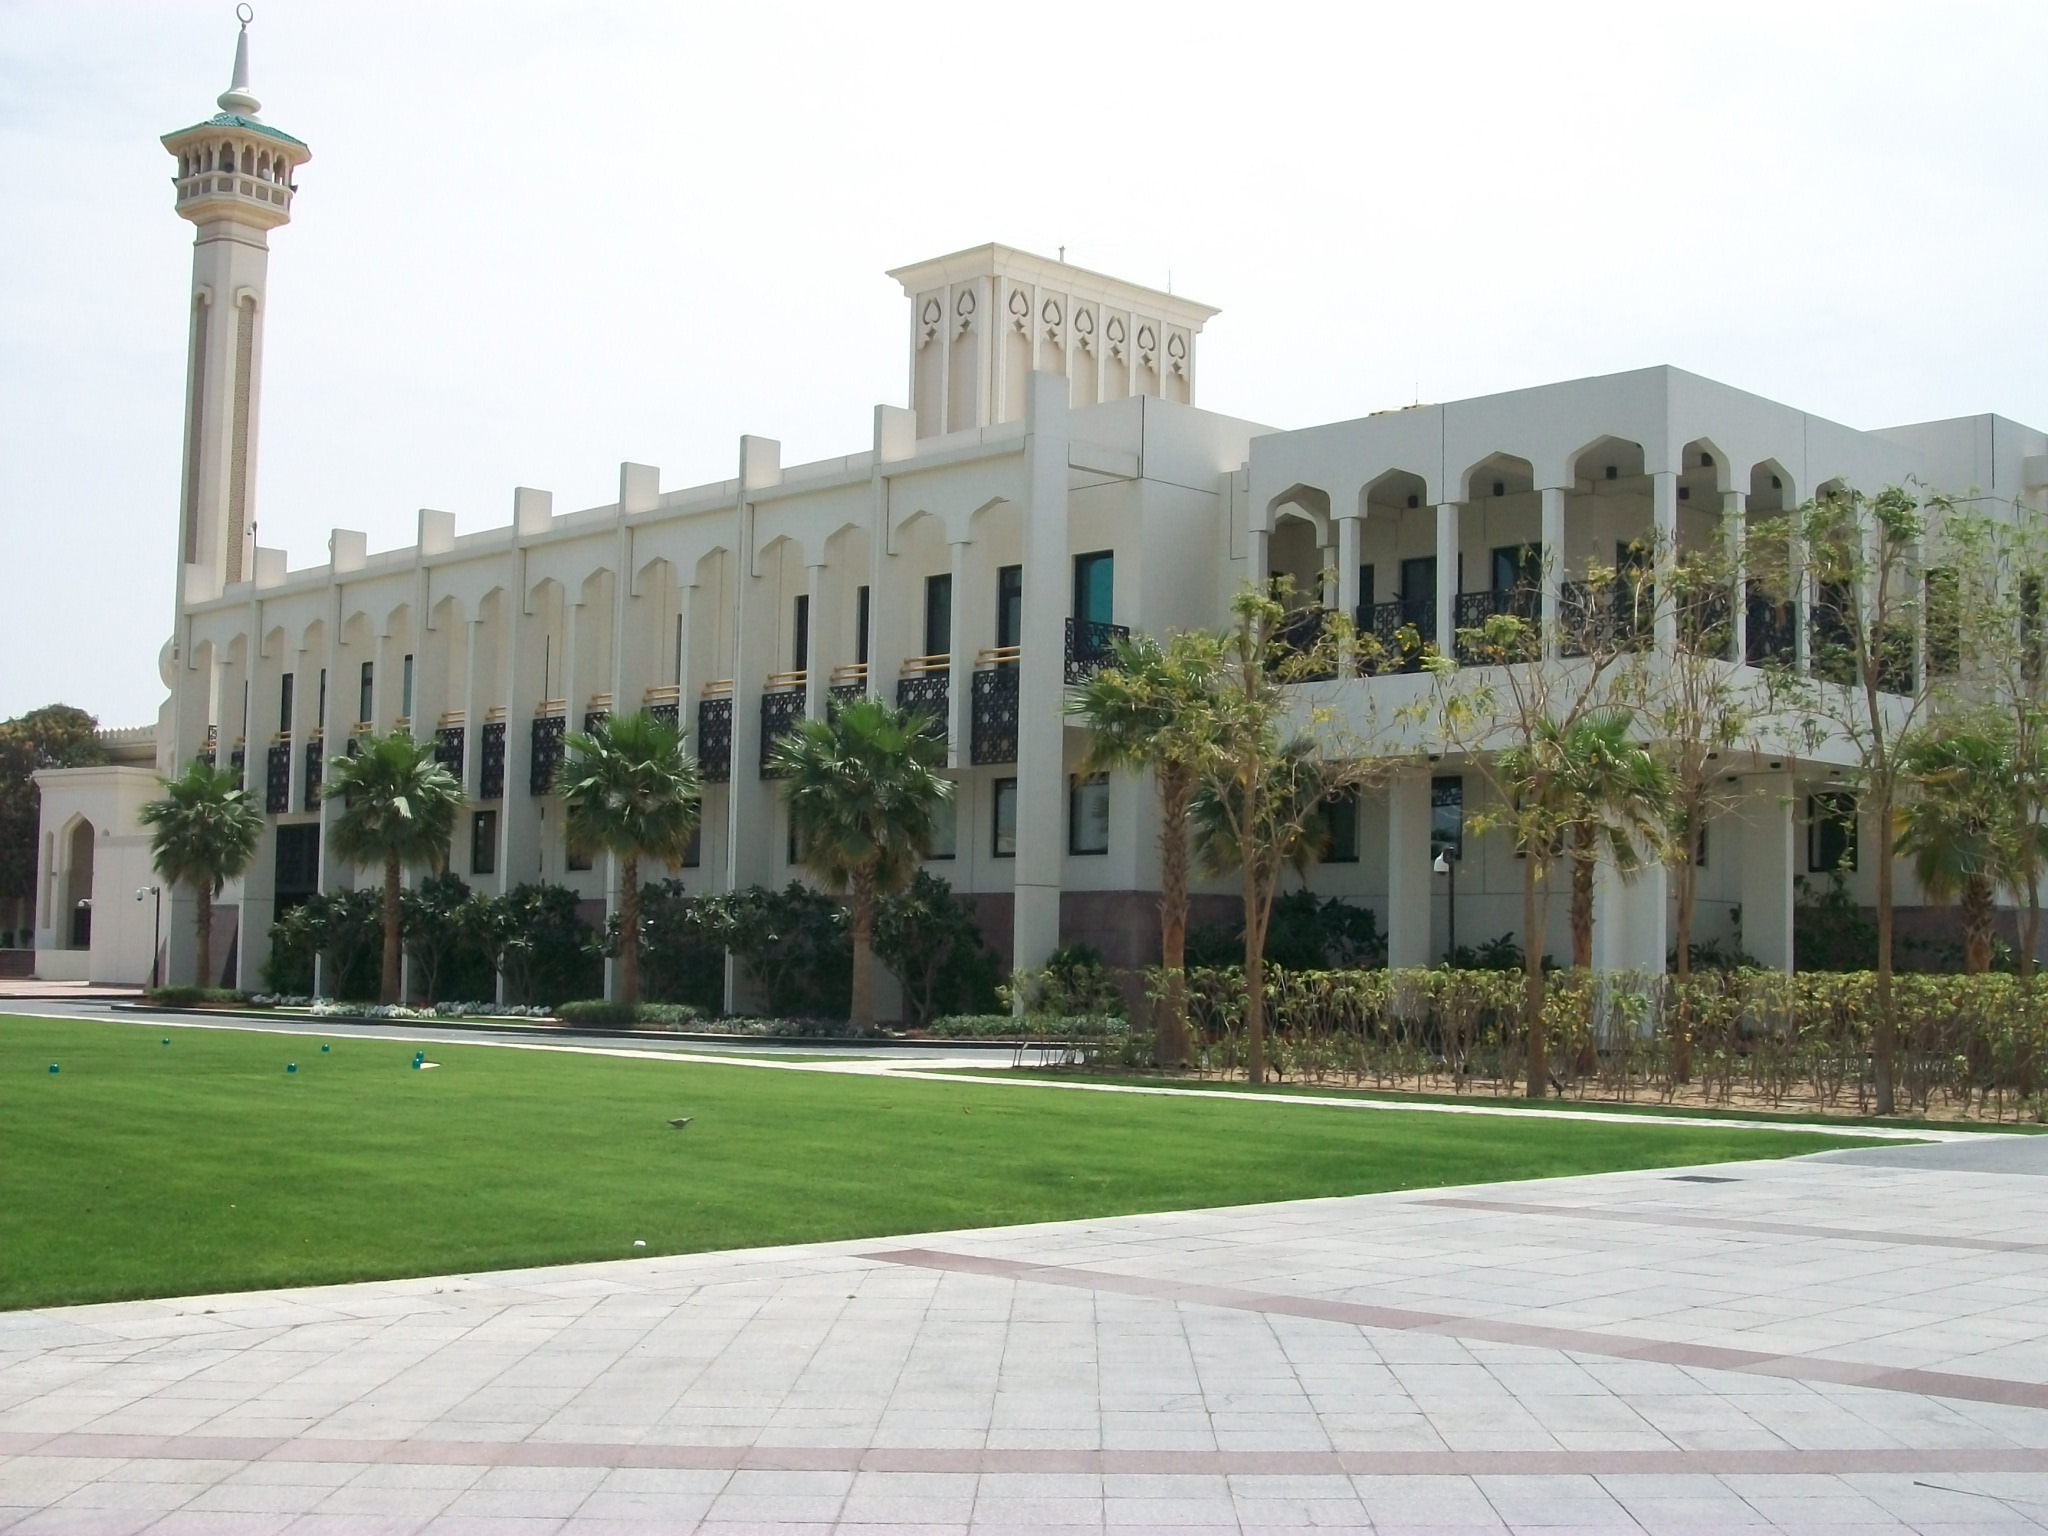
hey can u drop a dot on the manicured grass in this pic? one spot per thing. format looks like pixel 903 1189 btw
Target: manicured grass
pixel 1645 1105
pixel 144 1169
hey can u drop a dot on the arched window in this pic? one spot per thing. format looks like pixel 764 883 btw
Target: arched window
pixel 248 161
pixel 227 157
pixel 263 165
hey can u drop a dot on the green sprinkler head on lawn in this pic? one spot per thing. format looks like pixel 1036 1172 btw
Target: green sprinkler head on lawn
pixel 290 1067
pixel 323 1048
pixel 167 1039
pixel 53 1069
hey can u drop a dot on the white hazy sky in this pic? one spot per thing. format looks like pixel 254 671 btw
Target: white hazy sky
pixel 536 239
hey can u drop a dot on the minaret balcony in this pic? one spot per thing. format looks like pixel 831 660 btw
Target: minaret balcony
pixel 250 192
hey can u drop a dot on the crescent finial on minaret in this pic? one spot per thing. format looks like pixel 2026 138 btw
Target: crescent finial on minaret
pixel 237 98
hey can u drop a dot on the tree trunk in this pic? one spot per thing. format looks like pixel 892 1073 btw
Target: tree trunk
pixel 2030 930
pixel 204 921
pixel 1883 1044
pixel 863 915
pixel 387 989
pixel 1171 1042
pixel 1532 986
pixel 1582 898
pixel 1254 979
pixel 1688 874
pixel 1977 921
pixel 629 932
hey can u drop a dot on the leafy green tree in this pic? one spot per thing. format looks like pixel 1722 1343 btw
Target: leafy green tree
pixel 863 788
pixel 1152 708
pixel 399 807
pixel 1611 792
pixel 203 833
pixel 1962 823
pixel 55 736
pixel 792 945
pixel 633 792
pixel 929 938
pixel 679 963
pixel 439 938
pixel 538 942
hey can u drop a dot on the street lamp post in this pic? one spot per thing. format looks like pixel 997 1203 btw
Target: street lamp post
pixel 1446 865
pixel 155 925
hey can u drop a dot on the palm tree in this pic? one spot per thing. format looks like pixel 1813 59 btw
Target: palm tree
pixel 1149 708
pixel 631 791
pixel 1614 793
pixel 862 788
pixel 398 810
pixel 203 833
pixel 1961 823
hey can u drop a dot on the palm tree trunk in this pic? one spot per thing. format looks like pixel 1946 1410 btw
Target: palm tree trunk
pixel 387 989
pixel 1977 921
pixel 1171 1045
pixel 1532 986
pixel 629 931
pixel 204 920
pixel 1582 899
pixel 863 902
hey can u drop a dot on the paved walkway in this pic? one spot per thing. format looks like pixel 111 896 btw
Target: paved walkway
pixel 1856 1342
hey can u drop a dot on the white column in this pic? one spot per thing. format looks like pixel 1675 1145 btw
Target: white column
pixel 960 661
pixel 818 676
pixel 1630 917
pixel 1554 573
pixel 1735 547
pixel 1447 578
pixel 1409 888
pixel 259 880
pixel 749 802
pixel 1347 586
pixel 1768 843
pixel 1664 522
pixel 1041 765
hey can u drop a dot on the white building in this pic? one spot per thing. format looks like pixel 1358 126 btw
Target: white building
pixel 1051 475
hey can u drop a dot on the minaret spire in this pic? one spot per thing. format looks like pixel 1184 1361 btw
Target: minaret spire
pixel 237 98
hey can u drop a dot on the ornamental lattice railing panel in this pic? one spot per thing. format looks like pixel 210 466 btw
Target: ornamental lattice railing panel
pixel 782 711
pixel 994 701
pixel 316 762
pixel 1472 611
pixel 842 693
pixel 548 731
pixel 277 778
pixel 926 693
pixel 1402 632
pixel 449 741
pixel 714 739
pixel 1090 646
pixel 491 766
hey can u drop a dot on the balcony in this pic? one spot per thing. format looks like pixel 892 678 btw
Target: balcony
pixel 1090 647
pixel 277 776
pixel 1402 634
pixel 491 766
pixel 1770 630
pixel 209 754
pixel 1604 617
pixel 1473 612
pixel 315 765
pixel 664 704
pixel 596 712
pixel 848 683
pixel 714 732
pixel 550 726
pixel 993 707
pixel 923 688
pixel 450 737
pixel 1294 641
pixel 782 711
pixel 1704 621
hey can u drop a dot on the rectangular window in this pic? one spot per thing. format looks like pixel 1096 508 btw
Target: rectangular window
pixel 1699 849
pixel 1095 587
pixel 1340 818
pixel 1517 567
pixel 575 859
pixel 946 826
pixel 1010 605
pixel 367 691
pixel 1447 817
pixel 405 689
pixel 1830 832
pixel 1366 599
pixel 483 843
pixel 800 636
pixel 860 629
pixel 1088 814
pixel 693 850
pixel 284 703
pixel 1003 842
pixel 793 845
pixel 320 720
pixel 938 615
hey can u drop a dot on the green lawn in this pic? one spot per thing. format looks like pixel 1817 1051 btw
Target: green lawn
pixel 143 1169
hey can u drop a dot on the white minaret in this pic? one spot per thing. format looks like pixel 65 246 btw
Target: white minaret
pixel 234 181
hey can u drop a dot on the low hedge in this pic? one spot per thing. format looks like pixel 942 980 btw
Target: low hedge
pixel 1032 1026
pixel 194 997
pixel 598 1010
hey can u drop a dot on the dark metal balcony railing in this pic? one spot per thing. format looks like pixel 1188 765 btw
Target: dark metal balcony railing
pixel 1474 609
pixel 782 711
pixel 490 783
pixel 1090 647
pixel 1295 638
pixel 449 742
pixel 664 703
pixel 1769 637
pixel 315 765
pixel 277 778
pixel 926 691
pixel 714 738
pixel 1603 617
pixel 1704 624
pixel 548 732
pixel 238 762
pixel 842 693
pixel 1400 631
pixel 994 710
pixel 593 718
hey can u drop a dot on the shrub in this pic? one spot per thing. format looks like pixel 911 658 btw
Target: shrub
pixel 1072 981
pixel 598 1010
pixel 443 940
pixel 678 963
pixel 194 997
pixel 1003 1026
pixel 792 943
pixel 928 937
pixel 539 943
pixel 1307 932
pixel 345 930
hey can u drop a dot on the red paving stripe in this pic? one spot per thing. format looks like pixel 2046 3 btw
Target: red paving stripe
pixel 1716 1357
pixel 1739 1224
pixel 977 1460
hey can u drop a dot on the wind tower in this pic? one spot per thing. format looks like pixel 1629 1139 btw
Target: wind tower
pixel 234 181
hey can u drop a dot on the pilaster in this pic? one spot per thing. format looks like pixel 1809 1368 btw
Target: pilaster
pixel 1041 673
